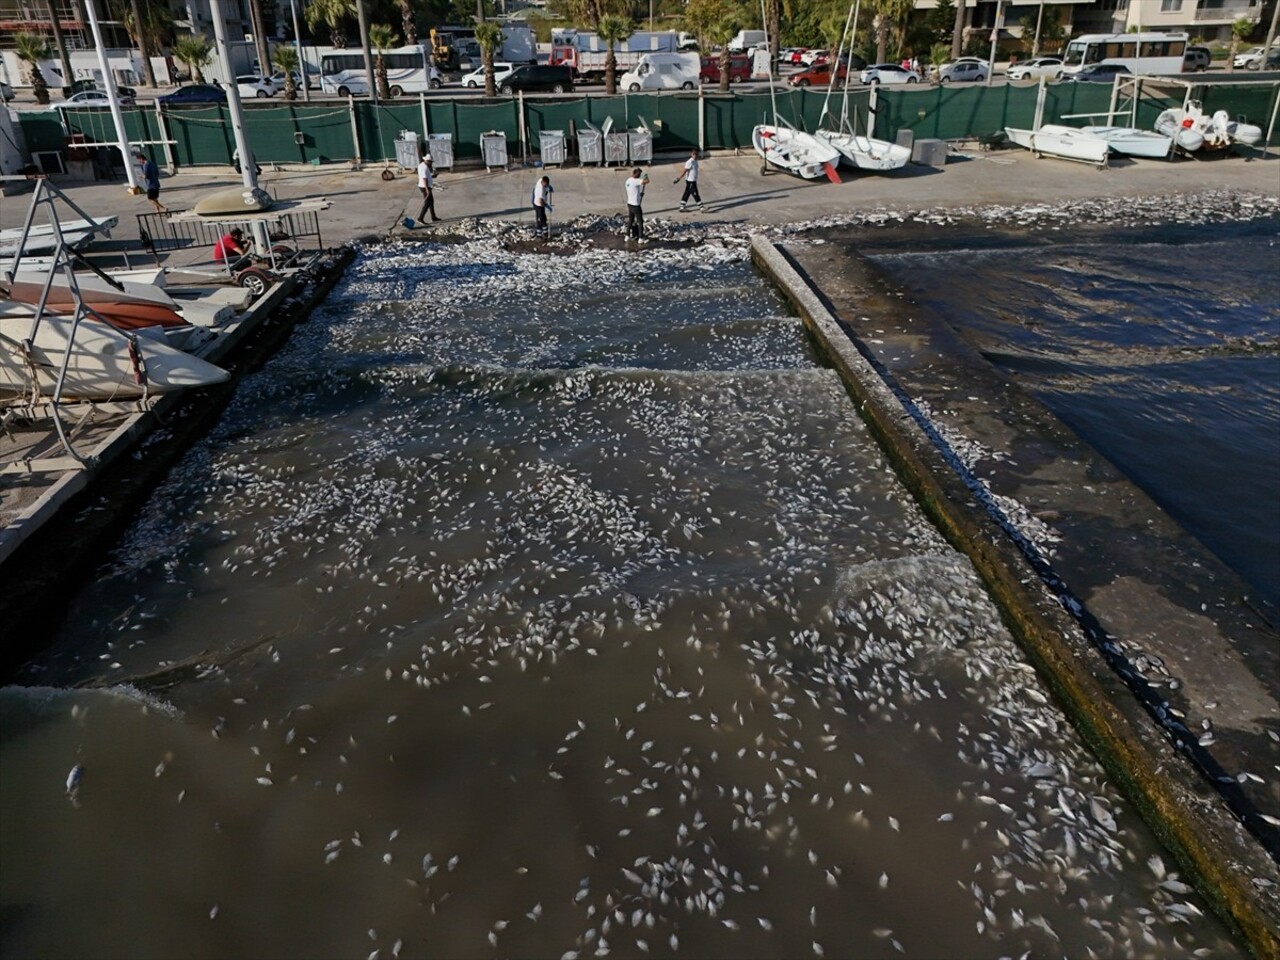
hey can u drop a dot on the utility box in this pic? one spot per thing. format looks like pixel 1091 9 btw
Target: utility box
pixel 641 144
pixel 407 149
pixel 929 153
pixel 440 146
pixel 551 147
pixel 615 148
pixel 590 146
pixel 493 147
pixel 906 138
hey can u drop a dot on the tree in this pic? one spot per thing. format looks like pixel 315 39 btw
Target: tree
pixel 60 44
pixel 136 24
pixel 1239 30
pixel 195 52
pixel 613 31
pixel 286 58
pixel 32 48
pixel 721 32
pixel 382 38
pixel 489 37
pixel 714 22
pixel 260 37
pixel 957 32
pixel 891 17
pixel 407 23
pixel 333 14
pixel 833 34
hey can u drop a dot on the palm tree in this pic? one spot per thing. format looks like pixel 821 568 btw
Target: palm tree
pixel 382 38
pixel 407 23
pixel 136 24
pixel 957 31
pixel 286 58
pixel 1239 30
pixel 720 33
pixel 32 48
pixel 489 37
pixel 195 52
pixel 332 13
pixel 890 16
pixel 613 31
pixel 60 44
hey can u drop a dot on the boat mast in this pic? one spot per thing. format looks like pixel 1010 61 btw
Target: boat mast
pixel 848 73
pixel 773 96
pixel 835 67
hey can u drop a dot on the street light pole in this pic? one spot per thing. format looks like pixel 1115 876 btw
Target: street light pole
pixel 113 98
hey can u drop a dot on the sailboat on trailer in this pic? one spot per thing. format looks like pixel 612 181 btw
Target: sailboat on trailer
pixel 862 152
pixel 783 146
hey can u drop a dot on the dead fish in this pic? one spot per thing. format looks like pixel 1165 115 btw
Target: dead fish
pixel 73 780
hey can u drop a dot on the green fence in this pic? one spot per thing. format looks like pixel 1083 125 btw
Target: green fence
pixel 335 131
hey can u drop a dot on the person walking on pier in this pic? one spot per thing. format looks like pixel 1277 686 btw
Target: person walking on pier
pixel 150 179
pixel 426 183
pixel 635 198
pixel 542 191
pixel 690 178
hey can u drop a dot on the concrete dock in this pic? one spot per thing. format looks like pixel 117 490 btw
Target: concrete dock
pixel 1184 608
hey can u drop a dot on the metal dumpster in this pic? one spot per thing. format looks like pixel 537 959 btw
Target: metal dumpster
pixel 589 146
pixel 441 147
pixel 551 147
pixel 641 143
pixel 407 149
pixel 493 147
pixel 615 148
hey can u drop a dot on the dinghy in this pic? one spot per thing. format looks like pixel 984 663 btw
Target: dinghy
pixel 1065 143
pixel 1133 142
pixel 860 152
pixel 1193 129
pixel 800 153
pixel 104 364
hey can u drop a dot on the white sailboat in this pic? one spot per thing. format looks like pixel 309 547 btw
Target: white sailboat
pixel 1134 142
pixel 860 152
pixel 783 146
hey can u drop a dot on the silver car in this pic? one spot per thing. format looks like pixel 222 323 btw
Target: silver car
pixel 889 73
pixel 962 70
pixel 1048 67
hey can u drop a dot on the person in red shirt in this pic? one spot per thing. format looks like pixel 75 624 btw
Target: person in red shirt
pixel 230 249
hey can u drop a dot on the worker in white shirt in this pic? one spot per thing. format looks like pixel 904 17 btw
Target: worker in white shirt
pixel 690 178
pixel 541 204
pixel 425 183
pixel 635 197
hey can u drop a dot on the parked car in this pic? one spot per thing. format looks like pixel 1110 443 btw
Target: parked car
pixel 889 73
pixel 1252 59
pixel 1048 67
pixel 739 69
pixel 194 93
pixel 252 85
pixel 501 70
pixel 810 57
pixel 1099 73
pixel 1197 59
pixel 92 98
pixel 817 76
pixel 558 79
pixel 277 80
pixel 791 54
pixel 962 70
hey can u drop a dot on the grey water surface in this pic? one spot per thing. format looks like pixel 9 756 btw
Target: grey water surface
pixel 554 607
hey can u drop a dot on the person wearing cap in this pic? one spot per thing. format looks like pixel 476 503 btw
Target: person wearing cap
pixel 230 249
pixel 690 178
pixel 151 179
pixel 635 198
pixel 541 204
pixel 426 184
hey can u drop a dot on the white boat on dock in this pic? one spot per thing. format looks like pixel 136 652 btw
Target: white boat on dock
pixel 1133 142
pixel 866 153
pixel 1065 143
pixel 800 153
pixel 1193 129
pixel 42 238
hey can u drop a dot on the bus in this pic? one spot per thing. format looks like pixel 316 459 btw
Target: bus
pixel 1142 53
pixel 409 70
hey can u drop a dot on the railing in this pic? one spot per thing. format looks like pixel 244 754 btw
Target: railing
pixel 299 231
pixel 1229 14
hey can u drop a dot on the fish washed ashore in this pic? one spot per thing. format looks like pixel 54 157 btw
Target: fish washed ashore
pixel 562 606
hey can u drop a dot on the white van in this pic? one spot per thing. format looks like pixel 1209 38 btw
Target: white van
pixel 747 39
pixel 663 71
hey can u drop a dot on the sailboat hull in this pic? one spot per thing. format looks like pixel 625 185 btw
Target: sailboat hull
pixel 800 153
pixel 866 153
pixel 1132 142
pixel 1065 143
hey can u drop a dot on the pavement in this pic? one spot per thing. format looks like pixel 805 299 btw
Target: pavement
pixel 738 196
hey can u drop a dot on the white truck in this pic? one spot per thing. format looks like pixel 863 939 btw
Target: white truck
pixel 746 39
pixel 586 52
pixel 663 71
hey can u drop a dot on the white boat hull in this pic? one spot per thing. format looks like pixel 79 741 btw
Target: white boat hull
pixel 866 153
pixel 1185 134
pixel 1132 142
pixel 800 153
pixel 42 239
pixel 1065 143
pixel 103 366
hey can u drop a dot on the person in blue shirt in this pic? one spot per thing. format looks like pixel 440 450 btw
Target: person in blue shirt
pixel 151 178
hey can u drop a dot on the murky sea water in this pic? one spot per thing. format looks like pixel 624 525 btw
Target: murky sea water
pixel 554 607
pixel 1160 347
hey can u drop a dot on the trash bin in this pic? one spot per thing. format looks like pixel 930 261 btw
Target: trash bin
pixel 551 147
pixel 615 148
pixel 641 143
pixel 493 147
pixel 589 146
pixel 407 149
pixel 441 147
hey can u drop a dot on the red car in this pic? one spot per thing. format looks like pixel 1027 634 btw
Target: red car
pixel 816 76
pixel 739 69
